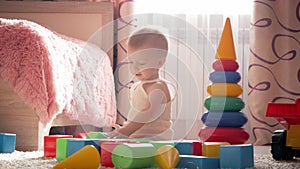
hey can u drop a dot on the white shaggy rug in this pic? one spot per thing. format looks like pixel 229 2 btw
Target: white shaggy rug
pixel 35 160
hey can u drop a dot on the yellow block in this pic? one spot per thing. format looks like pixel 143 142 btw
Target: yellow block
pixel 292 137
pixel 88 158
pixel 225 89
pixel 226 48
pixel 212 149
pixel 167 157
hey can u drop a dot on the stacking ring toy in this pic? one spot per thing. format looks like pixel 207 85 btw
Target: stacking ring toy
pixel 224 77
pixel 225 65
pixel 224 119
pixel 224 89
pixel 230 135
pixel 220 104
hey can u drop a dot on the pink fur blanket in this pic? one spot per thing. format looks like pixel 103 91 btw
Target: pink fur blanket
pixel 56 74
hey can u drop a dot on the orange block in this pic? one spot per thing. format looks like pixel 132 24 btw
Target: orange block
pixel 226 48
pixel 212 149
pixel 88 158
pixel 167 157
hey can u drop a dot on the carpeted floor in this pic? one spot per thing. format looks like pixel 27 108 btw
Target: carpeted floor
pixel 35 160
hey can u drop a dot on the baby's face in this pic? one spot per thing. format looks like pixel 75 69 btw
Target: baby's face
pixel 145 62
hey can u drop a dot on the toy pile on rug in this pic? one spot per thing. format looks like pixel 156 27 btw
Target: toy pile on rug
pixel 84 151
pixel 28 160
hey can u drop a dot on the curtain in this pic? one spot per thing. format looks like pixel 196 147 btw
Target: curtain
pixel 123 26
pixel 193 40
pixel 274 66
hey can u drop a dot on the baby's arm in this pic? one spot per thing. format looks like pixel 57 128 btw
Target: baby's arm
pixel 129 128
pixel 126 130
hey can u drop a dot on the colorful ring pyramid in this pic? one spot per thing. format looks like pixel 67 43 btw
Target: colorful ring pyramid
pixel 224 119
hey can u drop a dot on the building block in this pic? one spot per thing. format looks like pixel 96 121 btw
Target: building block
pixel 88 158
pixel 96 135
pixel 76 144
pixel 237 156
pixel 106 149
pixel 133 155
pixel 62 148
pixel 192 162
pixel 140 140
pixel 212 149
pixel 50 144
pixel 158 144
pixel 166 157
pixel 82 135
pixel 7 142
pixel 197 148
pixel 184 147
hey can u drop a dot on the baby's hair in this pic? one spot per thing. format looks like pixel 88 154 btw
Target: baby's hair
pixel 148 36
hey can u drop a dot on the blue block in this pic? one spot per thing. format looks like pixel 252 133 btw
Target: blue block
pixel 184 147
pixel 192 162
pixel 237 156
pixel 7 142
pixel 76 144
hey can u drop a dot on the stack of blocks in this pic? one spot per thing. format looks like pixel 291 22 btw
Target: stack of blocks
pixel 124 153
pixel 224 120
pixel 106 150
pixel 50 144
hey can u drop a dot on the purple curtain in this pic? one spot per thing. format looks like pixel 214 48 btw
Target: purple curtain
pixel 274 67
pixel 124 25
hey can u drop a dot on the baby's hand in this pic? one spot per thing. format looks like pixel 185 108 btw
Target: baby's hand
pixel 116 126
pixel 115 133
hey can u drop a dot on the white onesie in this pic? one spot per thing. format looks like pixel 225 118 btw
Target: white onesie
pixel 158 124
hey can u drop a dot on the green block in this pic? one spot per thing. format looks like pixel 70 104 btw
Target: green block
pixel 96 135
pixel 140 140
pixel 130 155
pixel 158 144
pixel 62 148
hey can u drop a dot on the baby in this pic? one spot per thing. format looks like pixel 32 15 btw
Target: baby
pixel 150 97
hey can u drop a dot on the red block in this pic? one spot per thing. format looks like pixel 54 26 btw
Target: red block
pixel 197 148
pixel 50 144
pixel 82 135
pixel 107 148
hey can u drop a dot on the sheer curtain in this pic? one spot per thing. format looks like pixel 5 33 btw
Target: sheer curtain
pixel 194 29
